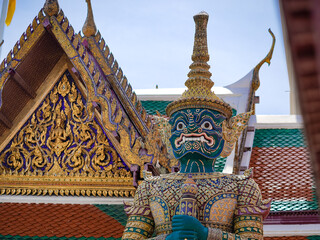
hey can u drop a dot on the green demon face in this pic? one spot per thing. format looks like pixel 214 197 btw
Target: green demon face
pixel 197 131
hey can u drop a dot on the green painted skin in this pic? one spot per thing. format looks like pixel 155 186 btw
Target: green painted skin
pixel 196 141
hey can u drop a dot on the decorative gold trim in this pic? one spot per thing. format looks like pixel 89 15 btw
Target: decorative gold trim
pixel 78 185
pixel 217 105
pixel 120 84
pixel 232 129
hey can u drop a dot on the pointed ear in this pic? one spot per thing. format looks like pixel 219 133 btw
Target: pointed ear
pixel 231 130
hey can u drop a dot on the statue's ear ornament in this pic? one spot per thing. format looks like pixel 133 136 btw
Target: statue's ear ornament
pixel 231 130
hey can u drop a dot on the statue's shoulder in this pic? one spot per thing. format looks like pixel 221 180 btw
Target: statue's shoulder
pixel 250 200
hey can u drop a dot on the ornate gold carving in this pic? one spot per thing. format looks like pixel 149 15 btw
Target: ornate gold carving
pixel 111 117
pixel 232 129
pixel 59 132
pixel 60 140
pixel 119 83
pixel 163 128
pixel 84 184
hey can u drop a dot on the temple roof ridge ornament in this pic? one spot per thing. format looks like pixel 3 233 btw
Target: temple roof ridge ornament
pixel 89 28
pixel 51 7
pixel 267 59
pixel 199 84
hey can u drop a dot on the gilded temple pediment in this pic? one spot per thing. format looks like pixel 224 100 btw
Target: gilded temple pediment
pixel 70 123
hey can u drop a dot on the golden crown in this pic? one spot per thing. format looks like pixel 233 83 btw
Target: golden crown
pixel 199 84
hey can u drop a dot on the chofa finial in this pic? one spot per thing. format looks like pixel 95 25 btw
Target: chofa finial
pixel 199 84
pixel 51 7
pixel 89 28
pixel 267 59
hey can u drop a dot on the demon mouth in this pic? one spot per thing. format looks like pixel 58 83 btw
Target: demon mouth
pixel 202 137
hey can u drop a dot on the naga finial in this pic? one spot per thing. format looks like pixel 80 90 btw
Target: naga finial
pixel 89 28
pixel 199 84
pixel 51 7
pixel 267 59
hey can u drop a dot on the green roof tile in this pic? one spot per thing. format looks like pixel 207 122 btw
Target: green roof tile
pixel 298 205
pixel 153 106
pixel 160 106
pixel 279 138
pixel 314 237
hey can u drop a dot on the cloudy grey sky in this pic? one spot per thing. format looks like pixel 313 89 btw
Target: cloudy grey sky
pixel 152 40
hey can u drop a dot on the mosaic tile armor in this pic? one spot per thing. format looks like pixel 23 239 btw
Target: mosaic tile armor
pixel 198 203
pixel 229 205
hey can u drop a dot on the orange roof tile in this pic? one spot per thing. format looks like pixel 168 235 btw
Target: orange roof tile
pixel 69 220
pixel 283 173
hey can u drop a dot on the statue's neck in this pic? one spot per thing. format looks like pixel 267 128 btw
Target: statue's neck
pixel 196 165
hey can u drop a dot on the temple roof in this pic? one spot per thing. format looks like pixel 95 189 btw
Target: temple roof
pixel 53 81
pixel 282 169
pixel 50 51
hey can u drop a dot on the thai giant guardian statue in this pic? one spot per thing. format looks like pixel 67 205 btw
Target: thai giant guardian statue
pixel 198 203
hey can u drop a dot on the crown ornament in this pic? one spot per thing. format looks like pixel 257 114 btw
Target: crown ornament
pixel 199 84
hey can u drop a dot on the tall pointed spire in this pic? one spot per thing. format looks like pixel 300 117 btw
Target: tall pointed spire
pixel 89 28
pixel 199 84
pixel 200 57
pixel 51 7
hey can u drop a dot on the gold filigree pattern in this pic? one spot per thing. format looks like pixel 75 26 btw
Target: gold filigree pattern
pixel 60 140
pixel 23 169
pixel 59 133
pixel 232 130
pixel 130 120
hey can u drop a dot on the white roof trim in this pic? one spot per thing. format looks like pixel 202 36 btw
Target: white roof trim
pixel 280 230
pixel 171 94
pixel 278 121
pixel 63 199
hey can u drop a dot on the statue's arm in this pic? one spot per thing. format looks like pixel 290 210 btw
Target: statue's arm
pixel 249 214
pixel 245 227
pixel 140 224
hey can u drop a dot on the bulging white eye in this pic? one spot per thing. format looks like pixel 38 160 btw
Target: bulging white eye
pixel 206 125
pixel 180 126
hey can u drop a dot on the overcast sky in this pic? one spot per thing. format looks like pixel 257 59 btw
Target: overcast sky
pixel 152 40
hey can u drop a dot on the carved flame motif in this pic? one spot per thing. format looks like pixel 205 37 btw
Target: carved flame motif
pixel 59 138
